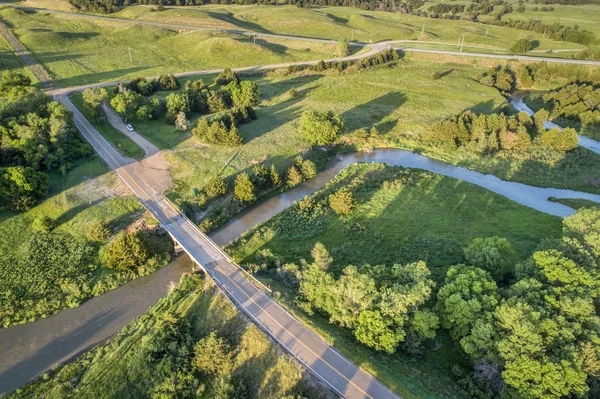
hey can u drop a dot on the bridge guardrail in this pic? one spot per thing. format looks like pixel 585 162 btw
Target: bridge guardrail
pixel 212 243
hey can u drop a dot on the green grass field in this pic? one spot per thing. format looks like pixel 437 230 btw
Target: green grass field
pixel 120 367
pixel 421 216
pixel 9 60
pixel 78 50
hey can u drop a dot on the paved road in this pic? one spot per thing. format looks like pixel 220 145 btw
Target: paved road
pixel 340 374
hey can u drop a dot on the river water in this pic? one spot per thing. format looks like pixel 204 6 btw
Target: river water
pixel 30 349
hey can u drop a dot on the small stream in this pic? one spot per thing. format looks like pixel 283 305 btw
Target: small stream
pixel 30 349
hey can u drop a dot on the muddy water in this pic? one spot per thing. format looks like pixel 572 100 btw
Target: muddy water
pixel 30 349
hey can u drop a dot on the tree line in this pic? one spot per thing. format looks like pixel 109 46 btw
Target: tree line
pixel 36 135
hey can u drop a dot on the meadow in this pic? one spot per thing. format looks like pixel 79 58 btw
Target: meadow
pixel 77 50
pixel 69 268
pixel 167 334
pixel 401 216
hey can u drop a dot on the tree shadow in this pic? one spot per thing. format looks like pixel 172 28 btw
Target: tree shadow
pixel 252 372
pixel 486 107
pixel 370 113
pixel 274 89
pixel 231 19
pixel 446 73
pixel 71 213
pixel 535 44
pixel 77 35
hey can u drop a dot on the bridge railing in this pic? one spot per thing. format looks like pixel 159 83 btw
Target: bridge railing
pixel 213 244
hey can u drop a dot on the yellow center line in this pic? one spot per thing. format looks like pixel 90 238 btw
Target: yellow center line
pixel 225 275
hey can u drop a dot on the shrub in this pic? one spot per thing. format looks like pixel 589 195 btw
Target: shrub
pixel 215 187
pixel 521 46
pixel 342 202
pixel 560 140
pixel 182 123
pixel 294 177
pixel 168 82
pixel 321 127
pixel 43 224
pixel 97 231
pixel 342 47
pixel 226 77
pixel 243 188
pixel 275 176
pixel 126 252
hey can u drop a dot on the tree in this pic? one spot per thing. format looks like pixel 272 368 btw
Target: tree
pixel 584 226
pixel 244 188
pixel 321 127
pixel 181 122
pixel 215 187
pixel 492 254
pixel 521 46
pixel 125 103
pixel 342 47
pixel 126 252
pixel 212 356
pixel 22 186
pixel 540 118
pixel 307 168
pixel 321 256
pixel 226 77
pixel 97 231
pixel 168 82
pixel 275 176
pixel 560 140
pixel 342 202
pixel 244 94
pixel 294 177
pixel 469 294
pixel 93 99
pixel 177 103
pixel 216 101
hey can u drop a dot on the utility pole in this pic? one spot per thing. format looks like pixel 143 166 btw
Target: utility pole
pixel 254 36
pixel 486 31
pixel 130 59
pixel 463 42
pixel 423 30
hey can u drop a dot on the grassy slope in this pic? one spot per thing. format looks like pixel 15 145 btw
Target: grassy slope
pixel 121 367
pixel 399 99
pixel 124 144
pixel 9 60
pixel 430 219
pixel 337 22
pixel 79 50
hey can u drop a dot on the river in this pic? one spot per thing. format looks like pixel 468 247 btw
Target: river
pixel 30 349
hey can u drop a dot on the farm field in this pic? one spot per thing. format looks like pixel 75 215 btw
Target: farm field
pixel 402 216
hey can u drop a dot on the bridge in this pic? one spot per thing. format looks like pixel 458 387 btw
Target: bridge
pixel 337 372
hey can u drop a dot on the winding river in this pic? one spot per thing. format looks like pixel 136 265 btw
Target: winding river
pixel 30 349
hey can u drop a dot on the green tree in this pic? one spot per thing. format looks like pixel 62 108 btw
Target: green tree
pixel 22 186
pixel 521 46
pixel 243 188
pixel 540 118
pixel 342 47
pixel 342 202
pixel 321 256
pixel 226 77
pixel 492 254
pixel 97 231
pixel 126 103
pixel 177 103
pixel 215 187
pixel 168 82
pixel 469 294
pixel 294 177
pixel 584 226
pixel 244 94
pixel 321 127
pixel 126 252
pixel 93 99
pixel 275 176
pixel 212 356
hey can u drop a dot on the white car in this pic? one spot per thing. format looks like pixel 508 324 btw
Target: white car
pixel 130 128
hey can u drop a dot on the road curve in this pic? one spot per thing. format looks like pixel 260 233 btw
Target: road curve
pixel 342 376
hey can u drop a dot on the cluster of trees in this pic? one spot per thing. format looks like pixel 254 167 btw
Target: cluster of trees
pixel 545 73
pixel 443 8
pixel 497 132
pixel 383 58
pixel 578 101
pixel 501 77
pixel 132 99
pixel 223 129
pixel 535 337
pixel 383 306
pixel 555 31
pixel 248 186
pixel 36 134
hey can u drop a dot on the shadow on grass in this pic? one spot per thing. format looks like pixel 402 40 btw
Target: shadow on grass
pixel 231 19
pixel 275 89
pixel 96 77
pixel 374 111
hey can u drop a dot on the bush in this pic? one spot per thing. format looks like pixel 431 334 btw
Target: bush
pixel 43 224
pixel 244 188
pixel 226 77
pixel 168 82
pixel 215 187
pixel 560 140
pixel 22 186
pixel 321 127
pixel 216 132
pixel 521 46
pixel 126 252
pixel 342 202
pixel 97 231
